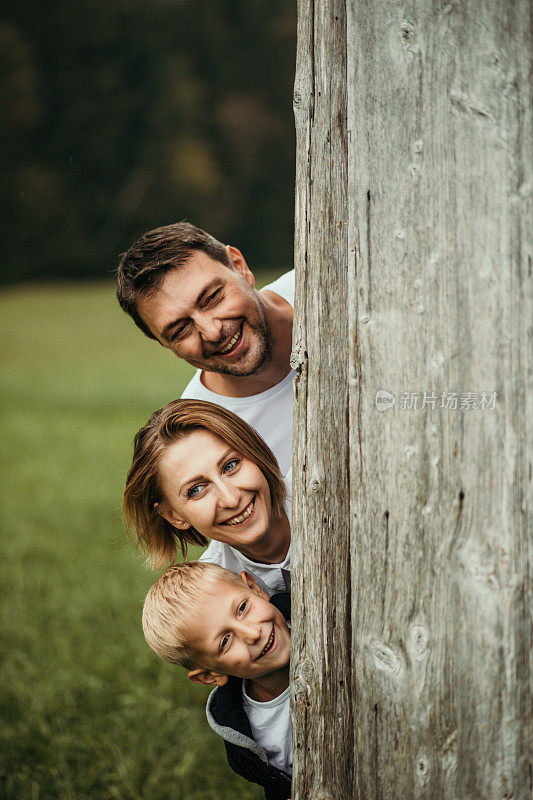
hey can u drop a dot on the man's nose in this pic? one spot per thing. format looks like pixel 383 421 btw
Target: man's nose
pixel 209 328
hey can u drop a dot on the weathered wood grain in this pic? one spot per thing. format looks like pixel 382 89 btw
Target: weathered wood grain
pixel 321 553
pixel 412 527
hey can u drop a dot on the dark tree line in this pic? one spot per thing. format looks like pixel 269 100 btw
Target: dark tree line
pixel 123 115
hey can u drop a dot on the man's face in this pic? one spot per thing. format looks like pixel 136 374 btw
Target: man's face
pixel 210 315
pixel 237 631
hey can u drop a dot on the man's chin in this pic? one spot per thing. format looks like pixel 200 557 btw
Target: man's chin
pixel 246 366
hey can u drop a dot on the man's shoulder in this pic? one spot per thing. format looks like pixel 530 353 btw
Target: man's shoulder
pixel 284 286
pixel 195 390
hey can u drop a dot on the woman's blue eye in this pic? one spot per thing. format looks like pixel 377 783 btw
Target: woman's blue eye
pixel 193 491
pixel 231 464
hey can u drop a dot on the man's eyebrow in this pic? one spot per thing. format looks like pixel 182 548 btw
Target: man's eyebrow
pixel 199 300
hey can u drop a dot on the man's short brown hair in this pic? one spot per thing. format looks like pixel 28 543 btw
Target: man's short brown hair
pixel 141 268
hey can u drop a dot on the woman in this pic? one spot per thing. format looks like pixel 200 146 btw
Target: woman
pixel 199 472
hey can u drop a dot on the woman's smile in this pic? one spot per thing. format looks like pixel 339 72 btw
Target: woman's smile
pixel 245 515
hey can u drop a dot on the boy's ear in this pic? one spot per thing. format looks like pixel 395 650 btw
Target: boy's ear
pixel 238 262
pixel 251 584
pixel 171 516
pixel 207 677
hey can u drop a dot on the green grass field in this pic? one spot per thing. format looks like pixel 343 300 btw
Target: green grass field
pixel 88 712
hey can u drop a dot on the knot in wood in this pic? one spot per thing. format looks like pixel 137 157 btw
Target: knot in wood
pixel 299 691
pixel 386 659
pixel 297 97
pixel 422 769
pixel 419 639
pixel 305 671
pixel 297 358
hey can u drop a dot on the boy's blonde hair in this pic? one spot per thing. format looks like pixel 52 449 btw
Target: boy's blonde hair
pixel 159 539
pixel 170 602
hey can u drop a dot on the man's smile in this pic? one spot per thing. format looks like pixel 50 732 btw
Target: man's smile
pixel 232 345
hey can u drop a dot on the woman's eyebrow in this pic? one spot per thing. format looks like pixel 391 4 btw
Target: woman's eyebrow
pixel 191 480
pixel 222 458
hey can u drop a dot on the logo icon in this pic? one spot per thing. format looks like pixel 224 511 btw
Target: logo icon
pixel 384 400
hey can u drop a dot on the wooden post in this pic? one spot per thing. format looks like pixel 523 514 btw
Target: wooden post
pixel 413 459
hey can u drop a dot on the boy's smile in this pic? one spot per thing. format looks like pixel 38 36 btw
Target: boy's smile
pixel 237 631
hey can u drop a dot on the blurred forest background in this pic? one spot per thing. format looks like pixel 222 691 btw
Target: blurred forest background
pixel 122 115
pixel 119 115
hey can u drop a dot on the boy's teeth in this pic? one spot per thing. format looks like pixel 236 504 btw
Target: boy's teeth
pixel 232 342
pixel 268 644
pixel 245 514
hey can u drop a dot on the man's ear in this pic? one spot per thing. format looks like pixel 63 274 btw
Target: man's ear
pixel 251 584
pixel 171 516
pixel 207 677
pixel 238 262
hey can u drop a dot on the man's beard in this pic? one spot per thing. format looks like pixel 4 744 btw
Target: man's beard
pixel 262 345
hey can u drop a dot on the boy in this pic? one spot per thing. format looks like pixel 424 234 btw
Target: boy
pixel 224 629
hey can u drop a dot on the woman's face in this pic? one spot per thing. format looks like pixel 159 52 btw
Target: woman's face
pixel 209 486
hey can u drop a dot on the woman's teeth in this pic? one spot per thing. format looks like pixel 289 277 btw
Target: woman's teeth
pixel 232 342
pixel 241 517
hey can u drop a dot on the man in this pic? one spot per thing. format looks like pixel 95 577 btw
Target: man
pixel 196 297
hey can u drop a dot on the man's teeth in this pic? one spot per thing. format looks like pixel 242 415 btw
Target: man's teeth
pixel 241 517
pixel 268 645
pixel 232 342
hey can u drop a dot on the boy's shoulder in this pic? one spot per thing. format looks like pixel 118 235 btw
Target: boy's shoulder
pixel 227 717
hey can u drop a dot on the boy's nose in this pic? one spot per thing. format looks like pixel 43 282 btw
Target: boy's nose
pixel 251 632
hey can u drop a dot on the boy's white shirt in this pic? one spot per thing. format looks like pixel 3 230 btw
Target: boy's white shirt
pixel 271 578
pixel 270 722
pixel 269 412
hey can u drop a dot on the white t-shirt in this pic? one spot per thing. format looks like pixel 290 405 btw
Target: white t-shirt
pixel 271 727
pixel 269 412
pixel 271 578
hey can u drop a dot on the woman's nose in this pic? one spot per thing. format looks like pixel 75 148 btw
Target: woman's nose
pixel 228 494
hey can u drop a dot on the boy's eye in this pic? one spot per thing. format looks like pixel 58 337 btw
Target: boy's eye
pixel 224 643
pixel 231 464
pixel 242 607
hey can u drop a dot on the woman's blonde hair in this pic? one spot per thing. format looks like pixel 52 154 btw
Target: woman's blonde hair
pixel 157 537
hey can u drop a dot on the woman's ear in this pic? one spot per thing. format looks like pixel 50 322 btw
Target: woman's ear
pixel 207 677
pixel 252 584
pixel 171 516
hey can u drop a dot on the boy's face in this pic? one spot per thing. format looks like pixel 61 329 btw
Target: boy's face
pixel 237 631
